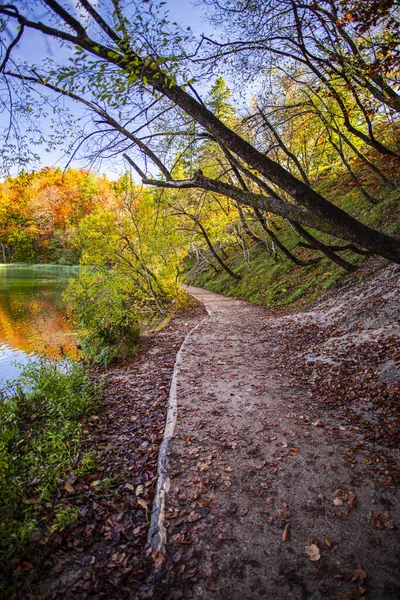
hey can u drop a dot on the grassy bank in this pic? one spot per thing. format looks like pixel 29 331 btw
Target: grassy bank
pixel 275 281
pixel 41 432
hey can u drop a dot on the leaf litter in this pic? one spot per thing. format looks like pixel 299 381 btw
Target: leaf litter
pixel 104 554
pixel 311 439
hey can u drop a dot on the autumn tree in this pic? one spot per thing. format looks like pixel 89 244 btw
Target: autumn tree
pixel 130 261
pixel 40 211
pixel 321 41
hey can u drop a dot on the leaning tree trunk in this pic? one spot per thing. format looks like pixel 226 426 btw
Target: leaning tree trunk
pixel 154 78
pixel 377 242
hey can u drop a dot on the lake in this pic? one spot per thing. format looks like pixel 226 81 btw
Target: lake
pixel 32 315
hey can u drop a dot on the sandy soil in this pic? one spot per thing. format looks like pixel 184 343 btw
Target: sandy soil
pixel 274 493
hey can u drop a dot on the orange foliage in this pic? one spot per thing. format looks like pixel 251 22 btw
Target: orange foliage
pixel 39 204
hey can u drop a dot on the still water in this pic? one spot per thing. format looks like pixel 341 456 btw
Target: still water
pixel 32 316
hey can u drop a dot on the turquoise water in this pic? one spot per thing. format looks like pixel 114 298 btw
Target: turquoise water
pixel 32 315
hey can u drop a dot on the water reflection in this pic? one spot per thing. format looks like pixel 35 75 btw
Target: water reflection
pixel 32 315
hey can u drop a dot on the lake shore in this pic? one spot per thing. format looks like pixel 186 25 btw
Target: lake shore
pixel 103 552
pixel 33 317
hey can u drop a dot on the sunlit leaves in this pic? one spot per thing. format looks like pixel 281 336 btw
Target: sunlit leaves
pixel 42 209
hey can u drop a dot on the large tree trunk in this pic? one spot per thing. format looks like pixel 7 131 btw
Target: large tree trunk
pixel 377 242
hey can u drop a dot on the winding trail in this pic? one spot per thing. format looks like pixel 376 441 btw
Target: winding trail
pixel 262 502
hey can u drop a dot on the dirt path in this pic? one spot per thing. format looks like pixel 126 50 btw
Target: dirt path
pixel 266 500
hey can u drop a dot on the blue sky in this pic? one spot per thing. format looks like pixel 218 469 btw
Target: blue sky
pixel 184 12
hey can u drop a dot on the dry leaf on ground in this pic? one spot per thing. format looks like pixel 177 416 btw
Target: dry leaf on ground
pixel 286 533
pixel 313 552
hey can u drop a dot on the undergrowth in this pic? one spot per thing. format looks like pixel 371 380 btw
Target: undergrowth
pixel 106 313
pixel 40 435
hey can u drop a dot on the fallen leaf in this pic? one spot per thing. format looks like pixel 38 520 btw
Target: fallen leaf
pixel 177 557
pixel 286 533
pixel 70 489
pixel 313 552
pixel 358 576
pixel 362 590
pixel 270 519
pixel 193 516
pixel 159 558
pixel 144 505
pixel 58 568
pixel 352 500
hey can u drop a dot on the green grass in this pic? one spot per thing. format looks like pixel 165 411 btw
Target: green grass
pixel 273 283
pixel 40 437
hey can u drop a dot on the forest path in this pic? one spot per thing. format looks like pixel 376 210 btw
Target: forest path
pixel 262 501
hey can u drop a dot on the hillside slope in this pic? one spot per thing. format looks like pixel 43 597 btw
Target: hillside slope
pixel 272 280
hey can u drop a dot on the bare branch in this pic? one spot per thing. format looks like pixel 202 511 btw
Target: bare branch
pixel 100 21
pixel 10 47
pixel 267 203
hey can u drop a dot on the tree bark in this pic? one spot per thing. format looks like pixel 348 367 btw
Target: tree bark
pixel 214 253
pixel 377 242
pixel 323 248
pixel 283 146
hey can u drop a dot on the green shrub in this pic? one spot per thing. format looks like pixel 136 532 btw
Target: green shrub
pixel 107 313
pixel 40 434
pixel 64 516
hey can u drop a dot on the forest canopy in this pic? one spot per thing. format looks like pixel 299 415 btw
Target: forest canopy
pixel 39 213
pixel 319 91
